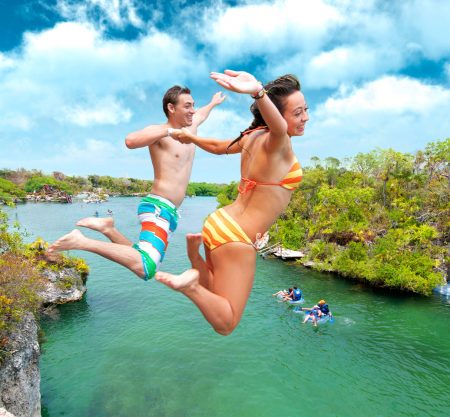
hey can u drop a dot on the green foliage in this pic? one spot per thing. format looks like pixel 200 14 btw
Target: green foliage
pixel 383 220
pixel 20 277
pixel 37 183
pixel 10 192
pixel 19 287
pixel 203 189
pixel 228 194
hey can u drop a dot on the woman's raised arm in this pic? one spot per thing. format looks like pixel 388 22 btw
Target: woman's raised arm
pixel 211 145
pixel 243 82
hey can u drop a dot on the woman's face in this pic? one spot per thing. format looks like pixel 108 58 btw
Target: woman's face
pixel 296 114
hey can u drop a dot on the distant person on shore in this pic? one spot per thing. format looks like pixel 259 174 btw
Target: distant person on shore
pixel 270 172
pixel 158 212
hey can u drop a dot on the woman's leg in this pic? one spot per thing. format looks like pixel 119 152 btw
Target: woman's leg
pixel 233 270
pixel 122 254
pixel 106 226
pixel 193 242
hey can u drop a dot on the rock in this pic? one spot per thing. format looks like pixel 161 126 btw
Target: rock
pixel 63 286
pixel 4 413
pixel 19 373
pixel 308 264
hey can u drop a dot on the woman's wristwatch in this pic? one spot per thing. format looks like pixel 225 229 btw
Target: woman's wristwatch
pixel 260 94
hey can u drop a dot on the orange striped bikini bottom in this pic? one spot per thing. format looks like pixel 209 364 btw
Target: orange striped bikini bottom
pixel 221 228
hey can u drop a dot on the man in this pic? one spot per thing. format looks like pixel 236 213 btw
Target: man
pixel 172 165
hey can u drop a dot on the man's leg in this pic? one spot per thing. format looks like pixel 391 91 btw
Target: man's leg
pixel 124 255
pixel 105 225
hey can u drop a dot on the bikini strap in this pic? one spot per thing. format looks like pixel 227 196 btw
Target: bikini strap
pixel 246 185
pixel 250 184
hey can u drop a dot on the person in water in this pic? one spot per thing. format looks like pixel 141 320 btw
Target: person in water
pixel 282 293
pixel 270 172
pixel 295 294
pixel 324 310
pixel 313 314
pixel 321 309
pixel 158 212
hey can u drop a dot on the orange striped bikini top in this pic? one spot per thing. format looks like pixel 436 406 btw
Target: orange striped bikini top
pixel 291 180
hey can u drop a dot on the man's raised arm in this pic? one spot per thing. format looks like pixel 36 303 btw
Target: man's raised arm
pixel 146 136
pixel 202 114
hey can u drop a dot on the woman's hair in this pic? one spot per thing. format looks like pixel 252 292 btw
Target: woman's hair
pixel 277 90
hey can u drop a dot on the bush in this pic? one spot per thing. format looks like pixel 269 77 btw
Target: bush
pixel 37 183
pixel 19 286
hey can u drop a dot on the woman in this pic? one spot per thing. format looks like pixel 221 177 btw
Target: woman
pixel 220 287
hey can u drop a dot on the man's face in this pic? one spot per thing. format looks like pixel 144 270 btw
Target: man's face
pixel 184 110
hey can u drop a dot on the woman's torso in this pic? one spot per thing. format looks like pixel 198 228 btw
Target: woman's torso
pixel 257 208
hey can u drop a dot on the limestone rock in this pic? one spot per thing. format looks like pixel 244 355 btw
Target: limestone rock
pixel 63 286
pixel 19 373
pixel 4 413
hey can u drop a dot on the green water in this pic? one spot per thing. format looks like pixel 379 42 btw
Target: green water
pixel 134 348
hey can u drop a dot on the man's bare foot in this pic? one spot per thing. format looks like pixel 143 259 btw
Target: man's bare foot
pixel 193 242
pixel 52 256
pixel 100 224
pixel 183 282
pixel 72 240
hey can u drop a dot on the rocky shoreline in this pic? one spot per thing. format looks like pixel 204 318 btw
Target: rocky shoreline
pixel 19 373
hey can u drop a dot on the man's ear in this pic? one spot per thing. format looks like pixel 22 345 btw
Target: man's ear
pixel 171 108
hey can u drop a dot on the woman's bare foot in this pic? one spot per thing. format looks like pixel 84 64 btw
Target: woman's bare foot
pixel 183 282
pixel 72 240
pixel 100 224
pixel 193 242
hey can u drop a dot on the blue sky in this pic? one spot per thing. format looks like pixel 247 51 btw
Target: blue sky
pixel 77 76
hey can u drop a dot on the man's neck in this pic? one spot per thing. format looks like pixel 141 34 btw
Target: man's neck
pixel 174 124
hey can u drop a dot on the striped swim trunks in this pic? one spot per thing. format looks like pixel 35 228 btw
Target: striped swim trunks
pixel 221 228
pixel 159 219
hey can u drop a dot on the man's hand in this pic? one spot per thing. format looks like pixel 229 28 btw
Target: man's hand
pixel 183 135
pixel 218 98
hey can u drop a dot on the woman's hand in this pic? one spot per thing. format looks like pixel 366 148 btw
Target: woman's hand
pixel 237 81
pixel 183 135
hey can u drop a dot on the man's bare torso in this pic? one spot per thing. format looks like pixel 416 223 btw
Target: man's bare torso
pixel 172 164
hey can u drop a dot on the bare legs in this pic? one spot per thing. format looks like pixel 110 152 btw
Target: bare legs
pixel 222 292
pixel 118 250
pixel 105 225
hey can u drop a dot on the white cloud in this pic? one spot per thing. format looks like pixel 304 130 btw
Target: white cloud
pixel 70 64
pixel 349 64
pixel 16 121
pixel 427 21
pixel 117 13
pixel 224 124
pixel 396 112
pixel 264 28
pixel 106 111
pixel 394 95
pixel 90 150
pixel 5 62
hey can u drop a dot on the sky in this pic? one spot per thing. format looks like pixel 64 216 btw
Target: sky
pixel 77 76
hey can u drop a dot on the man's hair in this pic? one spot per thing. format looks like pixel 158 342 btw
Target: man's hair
pixel 172 95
